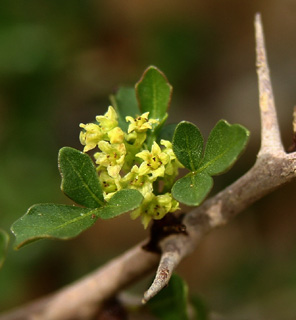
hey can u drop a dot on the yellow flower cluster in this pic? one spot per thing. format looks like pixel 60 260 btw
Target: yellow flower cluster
pixel 124 162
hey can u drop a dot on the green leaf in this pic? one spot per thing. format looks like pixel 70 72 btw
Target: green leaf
pixel 56 221
pixel 200 308
pixel 224 145
pixel 154 93
pixel 123 201
pixel 188 145
pixel 80 181
pixel 4 240
pixel 171 302
pixel 125 103
pixel 193 188
pixel 52 221
pixel 167 132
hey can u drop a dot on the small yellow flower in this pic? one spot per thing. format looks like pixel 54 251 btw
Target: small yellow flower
pixel 116 135
pixel 155 207
pixel 154 161
pixel 91 135
pixel 167 204
pixel 120 153
pixel 109 185
pixel 107 182
pixel 111 157
pixel 173 164
pixel 168 148
pixel 107 129
pixel 133 180
pixel 141 123
pixel 109 120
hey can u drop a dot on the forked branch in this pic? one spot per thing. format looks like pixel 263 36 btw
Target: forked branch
pixel 272 169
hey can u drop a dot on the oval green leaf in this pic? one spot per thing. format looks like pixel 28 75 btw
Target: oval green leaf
pixel 55 221
pixel 80 181
pixel 154 92
pixel 223 147
pixel 171 302
pixel 125 103
pixel 188 145
pixel 193 188
pixel 4 240
pixel 123 201
pixel 52 221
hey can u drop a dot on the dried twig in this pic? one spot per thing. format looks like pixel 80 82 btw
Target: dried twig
pixel 272 169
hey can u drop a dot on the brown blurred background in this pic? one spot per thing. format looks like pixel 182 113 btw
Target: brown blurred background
pixel 59 61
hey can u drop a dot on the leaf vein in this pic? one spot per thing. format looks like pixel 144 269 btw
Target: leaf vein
pixel 85 183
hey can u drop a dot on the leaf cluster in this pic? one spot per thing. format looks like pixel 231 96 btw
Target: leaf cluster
pixel 80 183
pixel 223 147
pixel 80 178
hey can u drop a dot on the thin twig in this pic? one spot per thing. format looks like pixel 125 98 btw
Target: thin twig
pixel 82 299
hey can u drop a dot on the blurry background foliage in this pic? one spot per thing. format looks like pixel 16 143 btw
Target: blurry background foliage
pixel 59 61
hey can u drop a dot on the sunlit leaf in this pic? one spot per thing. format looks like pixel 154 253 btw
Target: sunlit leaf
pixel 80 181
